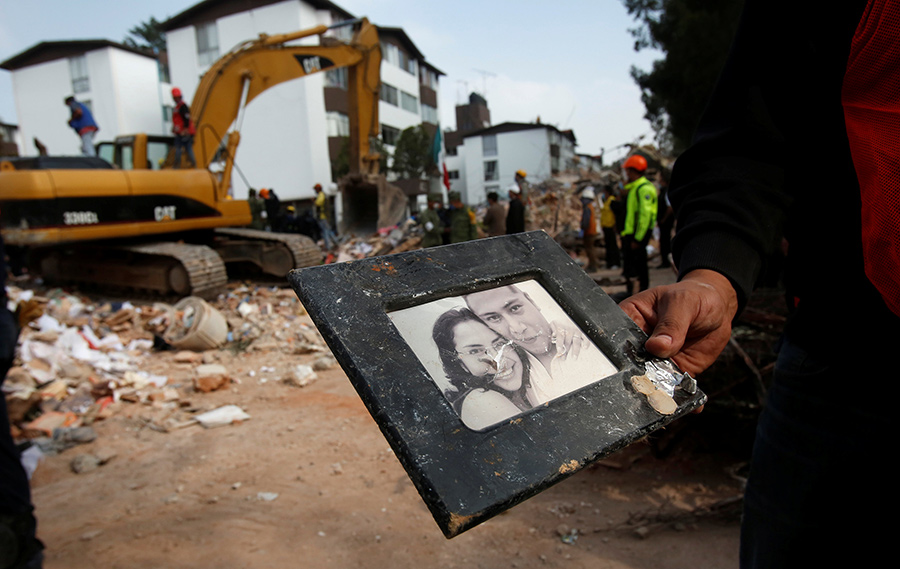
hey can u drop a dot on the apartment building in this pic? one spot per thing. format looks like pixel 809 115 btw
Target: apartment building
pixel 120 85
pixel 293 133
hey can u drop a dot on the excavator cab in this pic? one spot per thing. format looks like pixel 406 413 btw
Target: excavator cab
pixel 140 152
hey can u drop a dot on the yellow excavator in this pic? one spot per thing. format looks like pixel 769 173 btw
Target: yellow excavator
pixel 132 223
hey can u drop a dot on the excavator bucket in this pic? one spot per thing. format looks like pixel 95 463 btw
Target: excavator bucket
pixel 370 203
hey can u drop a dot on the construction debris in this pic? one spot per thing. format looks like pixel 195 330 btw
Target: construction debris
pixel 79 362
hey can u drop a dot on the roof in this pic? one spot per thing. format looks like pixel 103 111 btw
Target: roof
pixel 519 126
pixel 53 50
pixel 213 9
pixel 407 43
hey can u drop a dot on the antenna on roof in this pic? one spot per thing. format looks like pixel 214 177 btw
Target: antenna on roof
pixel 484 75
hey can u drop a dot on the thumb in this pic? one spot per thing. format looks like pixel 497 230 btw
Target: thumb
pixel 670 331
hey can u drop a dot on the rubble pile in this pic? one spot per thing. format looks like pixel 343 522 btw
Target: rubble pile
pixel 79 362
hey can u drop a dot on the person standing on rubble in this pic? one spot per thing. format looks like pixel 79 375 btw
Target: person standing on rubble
pixel 462 220
pixel 524 196
pixel 608 226
pixel 19 546
pixel 817 473
pixel 515 215
pixel 323 217
pixel 589 228
pixel 431 223
pixel 640 218
pixel 494 220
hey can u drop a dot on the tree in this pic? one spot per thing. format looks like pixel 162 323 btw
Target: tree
pixel 412 154
pixel 147 35
pixel 340 166
pixel 695 36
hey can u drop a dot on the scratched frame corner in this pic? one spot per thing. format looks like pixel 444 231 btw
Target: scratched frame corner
pixel 467 476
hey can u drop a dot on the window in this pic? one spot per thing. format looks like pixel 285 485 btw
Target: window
pixel 490 171
pixel 207 44
pixel 407 63
pixel 338 124
pixel 429 114
pixel 336 77
pixel 389 135
pixel 409 102
pixel 389 94
pixel 390 53
pixel 489 144
pixel 79 71
pixel 453 174
pixel 428 78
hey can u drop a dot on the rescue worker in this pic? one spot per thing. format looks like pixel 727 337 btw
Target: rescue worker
pixel 430 221
pixel 640 218
pixel 589 228
pixel 515 215
pixel 82 122
pixel 183 129
pixel 608 226
pixel 256 210
pixel 323 217
pixel 463 226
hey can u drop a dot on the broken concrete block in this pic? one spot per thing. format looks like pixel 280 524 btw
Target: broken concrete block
pixel 222 416
pixel 210 377
pixel 300 376
pixel 50 421
pixel 188 357
pixel 323 363
pixel 84 463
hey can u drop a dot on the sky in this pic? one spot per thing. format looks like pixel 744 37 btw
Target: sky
pixel 566 62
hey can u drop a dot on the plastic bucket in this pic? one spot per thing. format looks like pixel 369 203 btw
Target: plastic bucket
pixel 196 326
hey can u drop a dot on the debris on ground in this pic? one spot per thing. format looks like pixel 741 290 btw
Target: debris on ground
pixel 79 362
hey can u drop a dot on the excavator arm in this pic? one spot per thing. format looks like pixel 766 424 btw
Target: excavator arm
pixel 241 75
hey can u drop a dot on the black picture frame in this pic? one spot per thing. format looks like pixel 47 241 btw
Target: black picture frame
pixel 466 476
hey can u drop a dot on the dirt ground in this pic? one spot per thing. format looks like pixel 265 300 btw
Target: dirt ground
pixel 309 481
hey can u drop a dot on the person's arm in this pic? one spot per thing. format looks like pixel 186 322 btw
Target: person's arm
pixel 728 196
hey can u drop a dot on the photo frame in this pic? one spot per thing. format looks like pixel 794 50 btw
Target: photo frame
pixel 519 308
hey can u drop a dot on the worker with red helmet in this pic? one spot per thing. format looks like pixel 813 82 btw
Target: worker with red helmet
pixel 183 129
pixel 640 218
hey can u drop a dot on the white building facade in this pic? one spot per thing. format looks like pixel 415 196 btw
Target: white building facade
pixel 120 85
pixel 292 132
pixel 488 159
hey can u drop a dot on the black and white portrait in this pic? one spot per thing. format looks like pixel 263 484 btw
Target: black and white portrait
pixel 498 353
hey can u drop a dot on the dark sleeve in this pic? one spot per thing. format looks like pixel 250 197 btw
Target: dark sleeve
pixel 185 113
pixel 585 218
pixel 731 189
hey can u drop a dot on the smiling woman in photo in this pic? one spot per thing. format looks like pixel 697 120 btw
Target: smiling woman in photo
pixel 490 374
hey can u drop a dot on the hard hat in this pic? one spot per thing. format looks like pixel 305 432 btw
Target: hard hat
pixel 588 193
pixel 514 188
pixel 317 187
pixel 291 208
pixel 636 162
pixel 176 92
pixel 264 192
pixel 521 173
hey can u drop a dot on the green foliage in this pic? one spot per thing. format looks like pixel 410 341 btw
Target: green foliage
pixel 412 153
pixel 695 36
pixel 340 166
pixel 147 35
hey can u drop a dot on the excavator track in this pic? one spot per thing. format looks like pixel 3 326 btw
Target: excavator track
pixel 163 269
pixel 285 251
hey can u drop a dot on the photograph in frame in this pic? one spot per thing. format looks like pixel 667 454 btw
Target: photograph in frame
pixel 378 316
pixel 499 353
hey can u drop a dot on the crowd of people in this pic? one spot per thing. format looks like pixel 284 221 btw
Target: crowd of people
pixel 624 216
